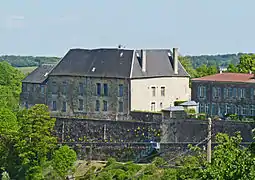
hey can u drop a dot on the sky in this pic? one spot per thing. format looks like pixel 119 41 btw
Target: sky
pixel 51 27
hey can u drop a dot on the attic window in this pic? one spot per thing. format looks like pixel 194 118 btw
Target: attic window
pixel 121 54
pixel 169 54
pixel 93 69
pixel 137 55
pixel 46 74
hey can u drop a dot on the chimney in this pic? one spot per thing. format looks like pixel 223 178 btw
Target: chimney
pixel 175 58
pixel 143 60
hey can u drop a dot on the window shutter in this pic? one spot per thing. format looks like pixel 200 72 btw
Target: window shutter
pixel 198 91
pixel 204 92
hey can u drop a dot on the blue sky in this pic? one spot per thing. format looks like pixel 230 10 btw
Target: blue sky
pixel 51 27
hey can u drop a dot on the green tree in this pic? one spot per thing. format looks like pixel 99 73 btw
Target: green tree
pixel 230 160
pixel 186 63
pixel 35 139
pixel 63 160
pixel 203 70
pixel 232 68
pixel 10 85
pixel 247 63
pixel 8 131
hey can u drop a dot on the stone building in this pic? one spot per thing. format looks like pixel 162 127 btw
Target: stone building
pixel 225 93
pixel 108 83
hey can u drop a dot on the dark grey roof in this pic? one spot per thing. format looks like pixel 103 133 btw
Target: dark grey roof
pixel 158 63
pixel 174 108
pixel 39 75
pixel 96 63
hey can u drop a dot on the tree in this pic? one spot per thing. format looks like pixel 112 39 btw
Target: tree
pixel 63 160
pixel 247 63
pixel 10 85
pixel 205 71
pixel 230 160
pixel 232 68
pixel 186 63
pixel 35 139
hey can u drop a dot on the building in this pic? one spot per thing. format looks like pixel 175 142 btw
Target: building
pixel 225 93
pixel 108 83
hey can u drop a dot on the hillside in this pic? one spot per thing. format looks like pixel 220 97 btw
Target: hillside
pixel 29 61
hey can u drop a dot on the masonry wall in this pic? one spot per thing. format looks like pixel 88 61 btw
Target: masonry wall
pixel 89 97
pixel 124 140
pixel 176 88
pixel 33 93
pixel 221 101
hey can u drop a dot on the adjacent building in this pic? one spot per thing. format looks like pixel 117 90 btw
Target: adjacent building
pixel 108 83
pixel 225 93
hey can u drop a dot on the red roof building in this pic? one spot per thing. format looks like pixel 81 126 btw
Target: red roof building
pixel 225 93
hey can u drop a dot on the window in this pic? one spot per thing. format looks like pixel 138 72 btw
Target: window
pixel 153 91
pixel 81 89
pixel 234 92
pixel 80 105
pixel 252 93
pixel 26 104
pixel 54 105
pixel 207 108
pixel 121 107
pixel 64 87
pixel 34 87
pixel 24 87
pixel 225 90
pixel 161 105
pixel 105 89
pixel 54 88
pixel 42 89
pixel 228 109
pixel 120 90
pixel 213 111
pixel 252 109
pixel 98 89
pixel 97 105
pixel 201 108
pixel 201 92
pixel 163 91
pixel 105 106
pixel 64 106
pixel 229 92
pixel 153 104
pixel 242 93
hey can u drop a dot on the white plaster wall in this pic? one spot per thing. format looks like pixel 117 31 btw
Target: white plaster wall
pixel 176 88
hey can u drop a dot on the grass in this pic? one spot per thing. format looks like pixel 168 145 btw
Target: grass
pixel 27 70
pixel 82 167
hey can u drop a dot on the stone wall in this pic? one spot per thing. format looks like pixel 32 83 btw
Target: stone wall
pixel 125 140
pixel 89 97
pixel 196 130
pixel 81 130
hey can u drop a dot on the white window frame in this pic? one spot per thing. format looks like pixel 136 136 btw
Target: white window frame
pixel 151 103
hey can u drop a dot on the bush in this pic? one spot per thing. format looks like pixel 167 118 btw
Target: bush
pixel 177 103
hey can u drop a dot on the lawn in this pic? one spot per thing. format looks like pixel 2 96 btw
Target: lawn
pixel 27 70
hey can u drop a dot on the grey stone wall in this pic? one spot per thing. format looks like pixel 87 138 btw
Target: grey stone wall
pixel 84 130
pixel 125 140
pixel 196 130
pixel 32 94
pixel 89 97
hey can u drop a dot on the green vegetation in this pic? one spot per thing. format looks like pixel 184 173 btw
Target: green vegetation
pixel 229 161
pixel 27 70
pixel 28 148
pixel 28 61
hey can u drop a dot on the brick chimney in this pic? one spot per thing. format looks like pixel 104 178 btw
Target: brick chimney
pixel 175 58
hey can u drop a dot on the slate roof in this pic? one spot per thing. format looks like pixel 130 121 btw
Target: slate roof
pixel 96 63
pixel 114 63
pixel 174 108
pixel 189 103
pixel 39 75
pixel 158 63
pixel 228 77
